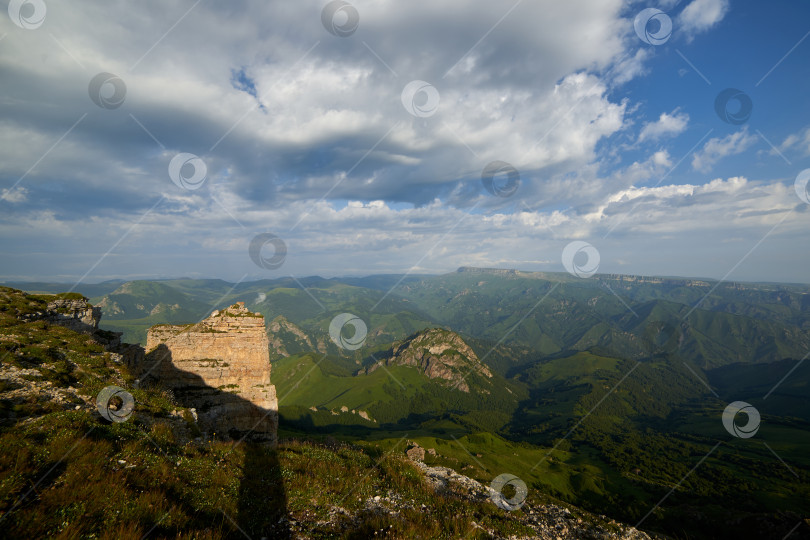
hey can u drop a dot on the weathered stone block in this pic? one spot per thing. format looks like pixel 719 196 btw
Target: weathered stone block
pixel 220 366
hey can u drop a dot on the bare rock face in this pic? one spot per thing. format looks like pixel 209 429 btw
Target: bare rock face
pixel 220 366
pixel 286 338
pixel 438 354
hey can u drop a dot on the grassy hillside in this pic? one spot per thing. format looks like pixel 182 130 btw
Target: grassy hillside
pixel 586 434
pixel 67 473
pixel 394 396
pixel 604 401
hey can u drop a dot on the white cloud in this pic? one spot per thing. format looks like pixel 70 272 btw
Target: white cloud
pixel 539 92
pixel 680 191
pixel 14 195
pixel 799 141
pixel 700 15
pixel 713 208
pixel 325 101
pixel 661 158
pixel 668 124
pixel 717 148
pixel 654 229
pixel 631 67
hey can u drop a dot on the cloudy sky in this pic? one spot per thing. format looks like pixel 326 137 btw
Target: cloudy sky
pixel 164 139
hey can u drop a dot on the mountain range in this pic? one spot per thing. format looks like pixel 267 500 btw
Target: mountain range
pixel 606 392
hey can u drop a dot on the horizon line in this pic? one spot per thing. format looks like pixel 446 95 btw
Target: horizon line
pixel 461 269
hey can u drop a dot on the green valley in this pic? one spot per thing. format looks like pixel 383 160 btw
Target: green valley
pixel 606 393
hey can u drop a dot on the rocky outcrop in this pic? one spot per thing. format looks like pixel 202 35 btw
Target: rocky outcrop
pixel 438 354
pixel 77 315
pixel 345 410
pixel 547 521
pixel 287 339
pixel 110 307
pixel 221 367
pixel 74 313
pixel 415 452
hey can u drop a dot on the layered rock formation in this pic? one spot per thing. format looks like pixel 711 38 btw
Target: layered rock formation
pixel 77 315
pixel 74 313
pixel 287 339
pixel 221 367
pixel 438 354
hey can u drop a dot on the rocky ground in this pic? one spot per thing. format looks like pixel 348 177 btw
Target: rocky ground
pixel 28 385
pixel 549 521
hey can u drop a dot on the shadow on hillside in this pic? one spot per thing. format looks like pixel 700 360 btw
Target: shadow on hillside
pixel 410 425
pixel 261 509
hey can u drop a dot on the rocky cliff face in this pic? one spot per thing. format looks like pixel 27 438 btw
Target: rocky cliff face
pixel 438 354
pixel 221 367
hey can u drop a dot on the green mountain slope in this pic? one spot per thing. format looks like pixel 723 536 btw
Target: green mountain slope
pixel 390 396
pixel 90 290
pixel 65 472
pixel 541 313
pixel 136 305
pixel 555 313
pixel 606 392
